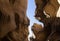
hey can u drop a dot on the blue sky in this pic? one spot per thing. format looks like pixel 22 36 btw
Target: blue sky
pixel 31 12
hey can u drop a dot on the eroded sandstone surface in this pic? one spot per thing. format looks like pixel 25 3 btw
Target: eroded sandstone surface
pixel 50 31
pixel 46 11
pixel 13 20
pixel 49 6
pixel 39 32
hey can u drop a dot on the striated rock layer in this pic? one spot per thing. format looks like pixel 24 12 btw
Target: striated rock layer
pixel 51 30
pixel 49 6
pixel 39 32
pixel 13 20
pixel 46 11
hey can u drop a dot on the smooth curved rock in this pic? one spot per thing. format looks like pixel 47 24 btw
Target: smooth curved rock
pixel 14 21
pixel 51 28
pixel 40 33
pixel 49 6
pixel 50 32
pixel 7 19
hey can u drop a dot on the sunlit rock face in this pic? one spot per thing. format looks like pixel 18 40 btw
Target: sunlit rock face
pixel 58 12
pixel 13 20
pixel 46 11
pixel 40 33
pixel 49 6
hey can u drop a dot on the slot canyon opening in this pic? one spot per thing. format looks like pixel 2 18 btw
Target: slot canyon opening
pixel 30 13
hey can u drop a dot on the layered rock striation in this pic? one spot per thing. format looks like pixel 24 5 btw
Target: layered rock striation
pixel 13 20
pixel 39 32
pixel 46 11
pixel 49 6
pixel 50 31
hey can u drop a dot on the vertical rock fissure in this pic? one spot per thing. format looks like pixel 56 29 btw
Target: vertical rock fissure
pixel 33 20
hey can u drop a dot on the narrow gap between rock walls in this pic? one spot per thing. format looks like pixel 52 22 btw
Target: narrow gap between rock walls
pixel 30 14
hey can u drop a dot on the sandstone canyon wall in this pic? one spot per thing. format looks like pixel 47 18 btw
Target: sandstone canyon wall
pixel 13 20
pixel 45 12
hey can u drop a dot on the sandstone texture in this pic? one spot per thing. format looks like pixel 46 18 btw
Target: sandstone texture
pixel 49 6
pixel 39 32
pixel 13 20
pixel 51 29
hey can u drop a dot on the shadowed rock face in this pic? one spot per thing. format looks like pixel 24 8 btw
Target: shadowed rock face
pixel 51 29
pixel 13 20
pixel 55 37
pixel 55 30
